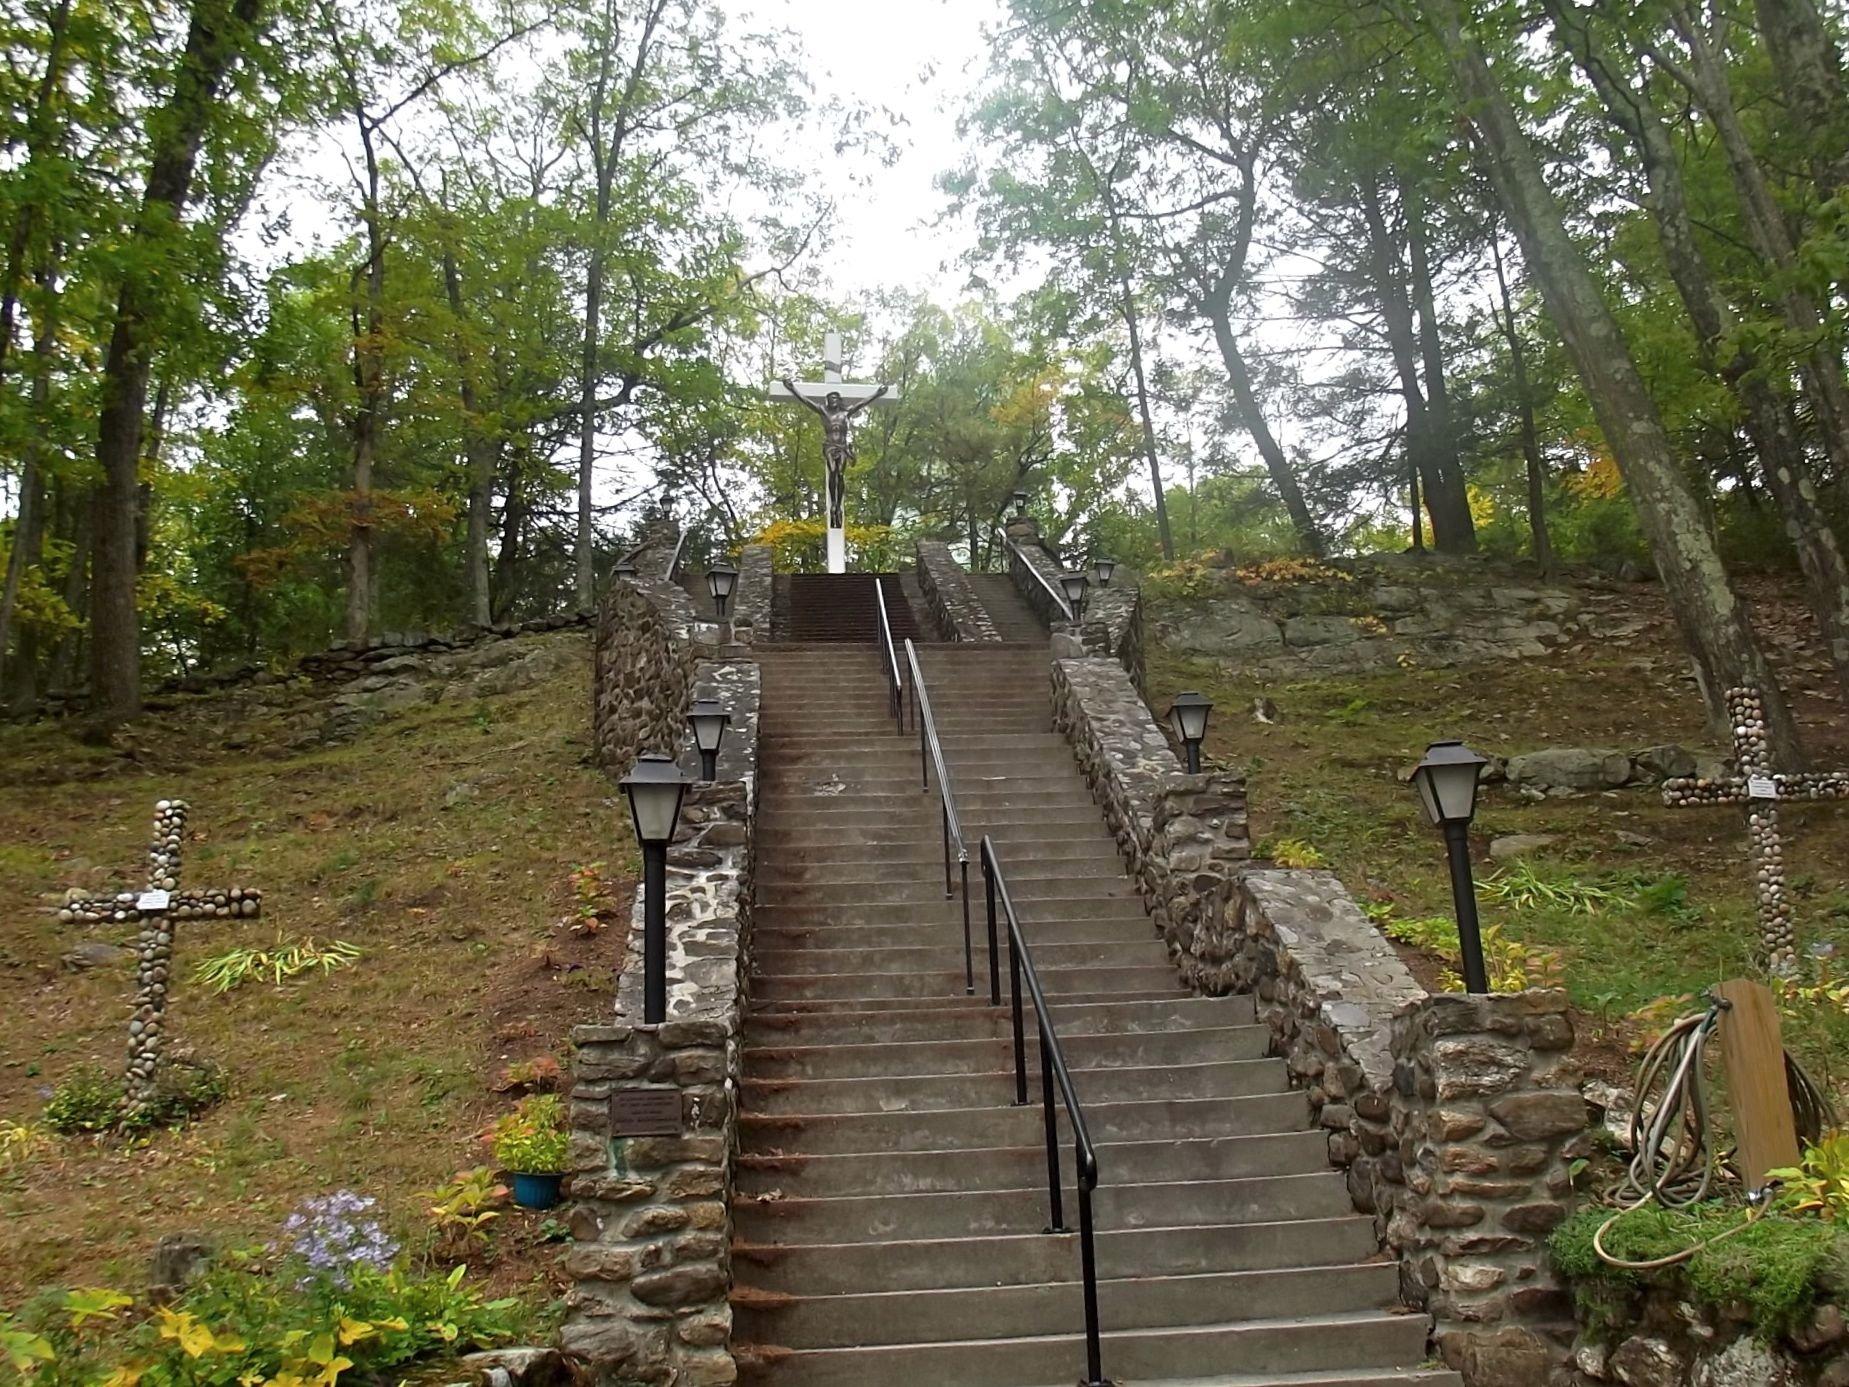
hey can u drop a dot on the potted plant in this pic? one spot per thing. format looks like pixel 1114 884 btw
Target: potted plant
pixel 530 1143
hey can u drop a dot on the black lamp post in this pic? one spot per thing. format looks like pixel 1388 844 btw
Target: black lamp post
pixel 1447 784
pixel 655 788
pixel 1187 716
pixel 720 580
pixel 1101 570
pixel 1020 503
pixel 708 721
pixel 625 568
pixel 1075 584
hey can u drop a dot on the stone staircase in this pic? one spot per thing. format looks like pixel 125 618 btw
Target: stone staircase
pixel 1014 619
pixel 840 607
pixel 892 1202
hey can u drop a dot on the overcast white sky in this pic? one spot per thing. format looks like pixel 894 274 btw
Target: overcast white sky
pixel 919 59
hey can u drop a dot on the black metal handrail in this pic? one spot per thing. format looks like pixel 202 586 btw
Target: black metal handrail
pixel 1059 599
pixel 931 753
pixel 1053 1072
pixel 883 638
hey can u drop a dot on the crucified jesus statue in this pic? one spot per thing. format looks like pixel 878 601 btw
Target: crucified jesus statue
pixel 837 452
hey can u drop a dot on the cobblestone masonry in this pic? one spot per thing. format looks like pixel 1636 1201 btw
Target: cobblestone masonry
pixel 1456 1118
pixel 1113 618
pixel 752 596
pixel 650 1260
pixel 641 671
pixel 959 613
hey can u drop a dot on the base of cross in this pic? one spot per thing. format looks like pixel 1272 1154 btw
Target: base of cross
pixel 1760 789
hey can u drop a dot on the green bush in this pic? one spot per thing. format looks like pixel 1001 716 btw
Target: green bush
pixel 89 1100
pixel 1776 1267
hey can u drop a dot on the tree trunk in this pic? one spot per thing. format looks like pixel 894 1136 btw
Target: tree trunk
pixel 1712 619
pixel 78 508
pixel 369 389
pixel 1432 354
pixel 216 32
pixel 1149 428
pixel 478 450
pixel 585 587
pixel 1253 417
pixel 40 135
pixel 1810 71
pixel 29 525
pixel 1538 538
pixel 1767 418
pixel 1822 368
pixel 513 521
pixel 1444 502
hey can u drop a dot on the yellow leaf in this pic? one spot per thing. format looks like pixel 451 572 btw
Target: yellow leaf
pixel 321 1349
pixel 353 1331
pixel 128 1375
pixel 331 1373
pixel 395 1322
pixel 444 1330
pixel 94 1303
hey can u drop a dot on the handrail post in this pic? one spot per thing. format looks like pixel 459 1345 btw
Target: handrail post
pixel 995 960
pixel 1088 1275
pixel 1020 1034
pixel 969 956
pixel 1054 1196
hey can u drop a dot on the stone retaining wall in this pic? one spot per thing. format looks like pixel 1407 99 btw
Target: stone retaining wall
pixel 1112 624
pixel 1456 1118
pixel 1664 1339
pixel 751 597
pixel 641 672
pixel 650 1217
pixel 958 612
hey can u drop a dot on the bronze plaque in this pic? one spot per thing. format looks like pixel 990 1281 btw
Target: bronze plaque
pixel 645 1112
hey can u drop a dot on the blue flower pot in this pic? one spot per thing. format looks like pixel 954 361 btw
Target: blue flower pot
pixel 536 1191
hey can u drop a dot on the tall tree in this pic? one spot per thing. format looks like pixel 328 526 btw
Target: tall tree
pixel 219 33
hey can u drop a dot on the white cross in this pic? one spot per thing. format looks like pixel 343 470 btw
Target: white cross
pixel 813 394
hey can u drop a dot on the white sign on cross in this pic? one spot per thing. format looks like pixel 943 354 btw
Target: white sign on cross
pixel 836 401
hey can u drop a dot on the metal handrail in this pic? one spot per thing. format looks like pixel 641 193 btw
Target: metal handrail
pixel 680 545
pixel 931 752
pixel 1051 591
pixel 1053 1071
pixel 883 638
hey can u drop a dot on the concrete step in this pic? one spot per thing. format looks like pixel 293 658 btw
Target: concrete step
pixel 1027 1258
pixel 925 987
pixel 874 883
pixel 1019 833
pixel 973 1213
pixel 819 802
pixel 829 850
pixel 784 913
pixel 941 1001
pixel 1310 1343
pixel 919 1172
pixel 963 1019
pixel 918 1093
pixel 947 956
pixel 1129 928
pixel 992 1054
pixel 991 1312
pixel 958 1128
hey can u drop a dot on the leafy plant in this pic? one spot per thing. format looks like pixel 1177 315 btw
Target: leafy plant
pixel 1819 1183
pixel 531 1139
pixel 591 903
pixel 462 1209
pixel 278 963
pixel 88 1100
pixel 1512 966
pixel 1521 886
pixel 1292 852
pixel 21 1142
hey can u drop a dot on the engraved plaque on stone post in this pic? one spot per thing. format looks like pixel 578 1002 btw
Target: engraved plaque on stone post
pixel 645 1112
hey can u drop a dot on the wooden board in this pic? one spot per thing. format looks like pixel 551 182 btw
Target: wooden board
pixel 1754 1058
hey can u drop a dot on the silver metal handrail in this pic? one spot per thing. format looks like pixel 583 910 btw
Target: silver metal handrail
pixel 680 545
pixel 930 756
pixel 883 636
pixel 1058 597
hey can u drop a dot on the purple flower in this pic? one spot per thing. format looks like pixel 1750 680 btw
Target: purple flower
pixel 334 1234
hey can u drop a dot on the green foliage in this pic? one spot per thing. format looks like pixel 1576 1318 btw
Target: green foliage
pixel 1291 852
pixel 1774 1265
pixel 1819 1183
pixel 243 1325
pixel 278 963
pixel 531 1140
pixel 1527 887
pixel 462 1209
pixel 87 1100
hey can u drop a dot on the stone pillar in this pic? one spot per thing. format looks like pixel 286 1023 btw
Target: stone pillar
pixel 1488 1119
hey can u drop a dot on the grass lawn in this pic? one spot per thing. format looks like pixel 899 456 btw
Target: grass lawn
pixel 1678 916
pixel 442 843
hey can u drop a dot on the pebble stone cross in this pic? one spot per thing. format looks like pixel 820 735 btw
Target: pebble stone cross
pixel 1757 786
pixel 158 909
pixel 836 402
